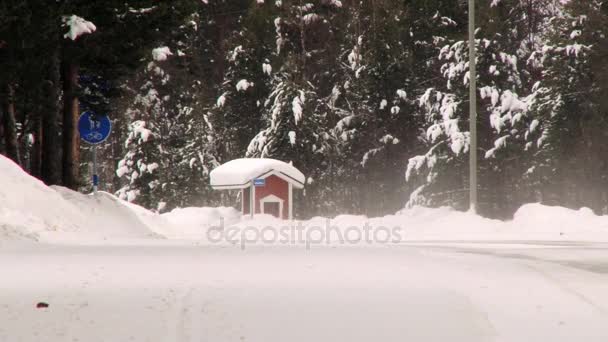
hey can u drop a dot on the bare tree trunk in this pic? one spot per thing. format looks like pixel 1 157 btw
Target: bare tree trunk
pixel 71 142
pixel 10 125
pixel 51 166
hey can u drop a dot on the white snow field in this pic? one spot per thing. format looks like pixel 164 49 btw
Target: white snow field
pixel 113 271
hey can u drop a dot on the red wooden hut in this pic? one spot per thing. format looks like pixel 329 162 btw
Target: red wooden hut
pixel 266 184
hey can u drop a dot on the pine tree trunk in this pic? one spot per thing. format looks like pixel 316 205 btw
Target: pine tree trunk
pixel 220 61
pixel 36 154
pixel 10 126
pixel 302 46
pixel 71 142
pixel 2 149
pixel 50 168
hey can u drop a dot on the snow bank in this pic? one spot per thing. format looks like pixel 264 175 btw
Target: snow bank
pixel 188 223
pixel 533 222
pixel 106 216
pixel 530 222
pixel 31 210
pixel 535 218
pixel 28 207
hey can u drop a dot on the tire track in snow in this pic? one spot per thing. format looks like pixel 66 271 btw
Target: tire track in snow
pixel 567 289
pixel 184 319
pixel 173 312
pixel 196 315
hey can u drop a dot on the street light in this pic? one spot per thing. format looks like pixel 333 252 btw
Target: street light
pixel 472 112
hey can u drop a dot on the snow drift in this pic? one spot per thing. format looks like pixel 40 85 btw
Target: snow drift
pixel 27 206
pixel 192 223
pixel 107 216
pixel 533 223
pixel 31 210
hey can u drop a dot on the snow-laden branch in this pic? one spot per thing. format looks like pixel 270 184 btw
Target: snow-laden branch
pixel 161 53
pixel 77 26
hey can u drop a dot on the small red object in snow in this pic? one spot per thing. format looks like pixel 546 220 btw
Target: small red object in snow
pixel 42 305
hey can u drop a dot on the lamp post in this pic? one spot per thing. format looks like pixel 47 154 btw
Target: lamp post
pixel 472 112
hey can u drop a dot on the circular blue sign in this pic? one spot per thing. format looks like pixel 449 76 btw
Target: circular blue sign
pixel 94 128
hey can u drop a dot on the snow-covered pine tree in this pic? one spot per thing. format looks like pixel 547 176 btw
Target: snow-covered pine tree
pixel 570 109
pixel 372 114
pixel 144 183
pixel 236 112
pixel 163 136
pixel 294 120
pixel 506 40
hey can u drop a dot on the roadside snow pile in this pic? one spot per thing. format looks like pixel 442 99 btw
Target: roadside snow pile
pixel 412 225
pixel 28 207
pixel 536 219
pixel 106 216
pixel 190 223
pixel 31 210
pixel 533 222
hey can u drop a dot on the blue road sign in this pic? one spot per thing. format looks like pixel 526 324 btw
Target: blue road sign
pixel 94 128
pixel 259 182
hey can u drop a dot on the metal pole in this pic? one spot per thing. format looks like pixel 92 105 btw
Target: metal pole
pixel 252 199
pixel 472 112
pixel 95 177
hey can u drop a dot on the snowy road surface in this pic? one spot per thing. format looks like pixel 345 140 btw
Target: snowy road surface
pixel 418 292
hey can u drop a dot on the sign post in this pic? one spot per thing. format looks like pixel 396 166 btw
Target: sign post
pixel 95 178
pixel 472 112
pixel 252 199
pixel 94 129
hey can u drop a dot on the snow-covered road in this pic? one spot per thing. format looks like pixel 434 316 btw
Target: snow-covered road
pixel 161 291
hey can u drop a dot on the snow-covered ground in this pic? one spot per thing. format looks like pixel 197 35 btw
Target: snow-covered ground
pixel 113 271
pixel 153 292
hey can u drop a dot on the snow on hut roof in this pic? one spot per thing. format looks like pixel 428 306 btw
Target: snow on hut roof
pixel 238 173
